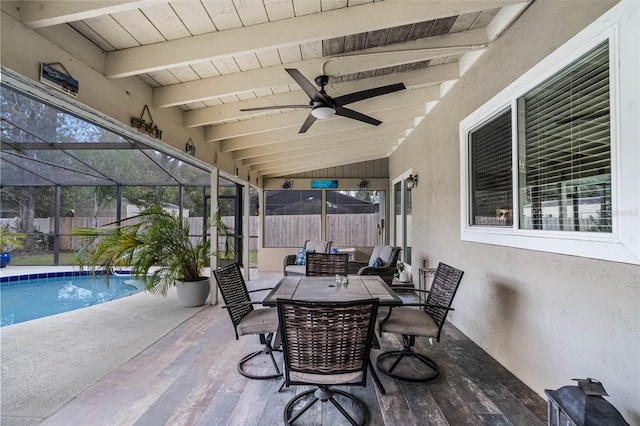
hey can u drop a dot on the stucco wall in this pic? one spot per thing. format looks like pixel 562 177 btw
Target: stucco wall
pixel 548 318
pixel 23 50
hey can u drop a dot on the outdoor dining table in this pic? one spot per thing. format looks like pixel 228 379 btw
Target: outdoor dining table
pixel 327 289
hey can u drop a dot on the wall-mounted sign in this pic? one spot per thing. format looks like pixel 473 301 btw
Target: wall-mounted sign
pixel 149 128
pixel 323 184
pixel 58 79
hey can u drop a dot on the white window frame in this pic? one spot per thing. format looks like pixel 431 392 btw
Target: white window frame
pixel 620 26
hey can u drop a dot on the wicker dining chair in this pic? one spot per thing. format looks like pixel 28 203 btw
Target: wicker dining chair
pixel 245 319
pixel 326 344
pixel 327 264
pixel 425 322
pixel 293 265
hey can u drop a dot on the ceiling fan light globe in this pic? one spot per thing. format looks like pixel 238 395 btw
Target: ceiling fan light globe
pixel 323 112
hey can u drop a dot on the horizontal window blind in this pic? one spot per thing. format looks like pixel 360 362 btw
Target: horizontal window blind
pixel 564 149
pixel 491 173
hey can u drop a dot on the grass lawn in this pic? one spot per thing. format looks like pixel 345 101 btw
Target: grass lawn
pixel 41 259
pixel 44 259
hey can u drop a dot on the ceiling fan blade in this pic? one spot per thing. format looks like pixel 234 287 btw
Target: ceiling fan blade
pixel 305 85
pixel 275 107
pixel 369 93
pixel 307 123
pixel 349 113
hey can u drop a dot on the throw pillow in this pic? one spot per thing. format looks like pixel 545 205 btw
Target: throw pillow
pixel 300 256
pixel 376 263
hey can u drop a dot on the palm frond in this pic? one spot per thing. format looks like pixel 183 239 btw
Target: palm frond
pixel 157 247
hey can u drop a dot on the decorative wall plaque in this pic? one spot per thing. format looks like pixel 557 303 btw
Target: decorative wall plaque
pixel 52 76
pixel 190 148
pixel 149 128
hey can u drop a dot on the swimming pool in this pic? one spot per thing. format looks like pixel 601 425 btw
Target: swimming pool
pixel 27 297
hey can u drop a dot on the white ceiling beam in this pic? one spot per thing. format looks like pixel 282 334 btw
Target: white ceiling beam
pixel 231 111
pixel 305 148
pixel 284 32
pixel 295 118
pixel 319 127
pixel 505 17
pixel 463 40
pixel 347 146
pixel 320 164
pixel 39 14
pixel 314 162
pixel 407 52
pixel 231 84
pixel 396 127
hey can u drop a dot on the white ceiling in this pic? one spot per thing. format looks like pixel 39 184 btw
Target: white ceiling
pixel 212 58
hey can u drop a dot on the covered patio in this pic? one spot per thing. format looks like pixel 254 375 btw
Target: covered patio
pixel 188 375
pixel 511 153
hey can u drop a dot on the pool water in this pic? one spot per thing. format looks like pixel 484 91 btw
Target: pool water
pixel 29 299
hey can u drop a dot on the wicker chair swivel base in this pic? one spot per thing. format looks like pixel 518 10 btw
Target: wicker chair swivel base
pixel 247 320
pixel 425 322
pixel 266 349
pixel 418 374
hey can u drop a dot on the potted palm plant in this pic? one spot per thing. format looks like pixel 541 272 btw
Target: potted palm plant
pixel 157 248
pixel 8 241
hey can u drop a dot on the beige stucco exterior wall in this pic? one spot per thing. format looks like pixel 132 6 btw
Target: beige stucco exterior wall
pixel 548 318
pixel 23 50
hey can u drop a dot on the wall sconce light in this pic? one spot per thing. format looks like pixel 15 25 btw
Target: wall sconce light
pixel 288 184
pixel 364 184
pixel 412 181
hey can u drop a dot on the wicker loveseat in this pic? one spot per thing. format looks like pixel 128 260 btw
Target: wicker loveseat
pixel 289 263
pixel 388 256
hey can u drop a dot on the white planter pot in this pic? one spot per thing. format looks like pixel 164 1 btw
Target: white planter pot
pixel 192 293
pixel 404 277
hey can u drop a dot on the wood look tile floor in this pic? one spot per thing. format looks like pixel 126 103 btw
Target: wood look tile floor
pixel 189 377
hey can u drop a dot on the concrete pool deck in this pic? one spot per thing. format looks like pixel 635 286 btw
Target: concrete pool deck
pixel 49 361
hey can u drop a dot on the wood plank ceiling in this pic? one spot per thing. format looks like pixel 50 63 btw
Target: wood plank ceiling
pixel 212 58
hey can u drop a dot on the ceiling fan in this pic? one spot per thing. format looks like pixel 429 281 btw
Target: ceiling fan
pixel 324 106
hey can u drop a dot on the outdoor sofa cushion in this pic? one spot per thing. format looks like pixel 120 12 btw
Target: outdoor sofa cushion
pixel 381 252
pixel 290 264
pixel 383 255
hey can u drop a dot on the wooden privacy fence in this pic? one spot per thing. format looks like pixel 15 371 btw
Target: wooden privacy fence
pixel 70 243
pixel 290 230
pixel 357 230
pixel 353 230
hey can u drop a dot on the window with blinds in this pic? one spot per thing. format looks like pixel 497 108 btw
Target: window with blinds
pixel 574 150
pixel 490 148
pixel 564 149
